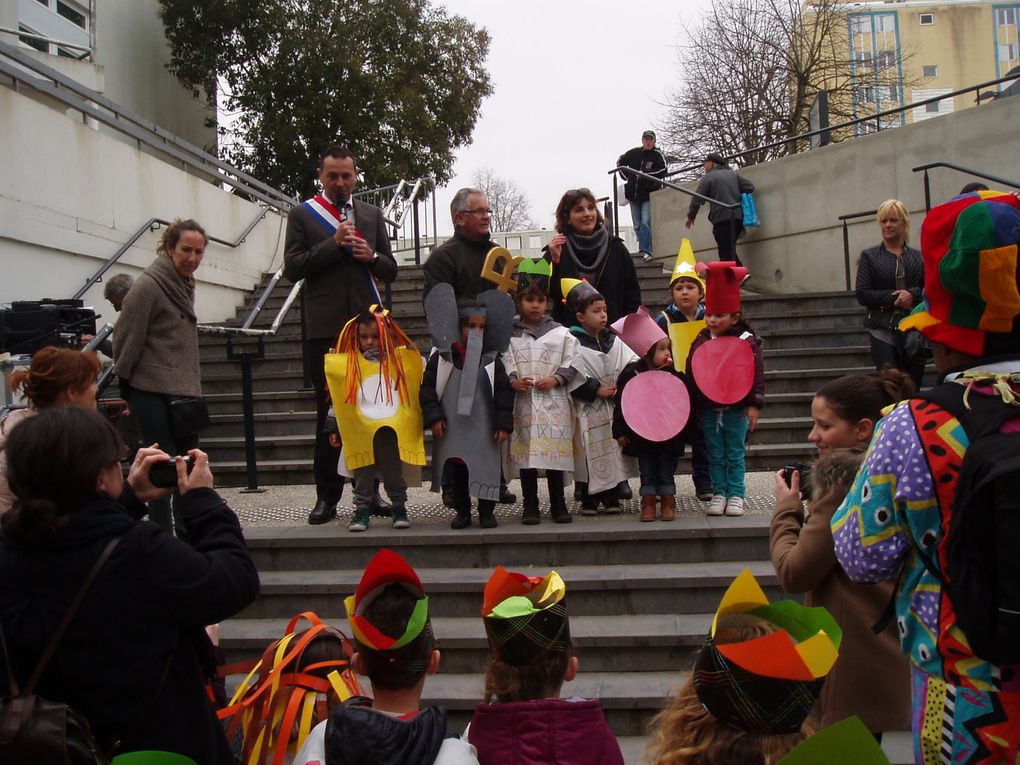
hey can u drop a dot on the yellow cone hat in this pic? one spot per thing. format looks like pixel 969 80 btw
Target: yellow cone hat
pixel 685 264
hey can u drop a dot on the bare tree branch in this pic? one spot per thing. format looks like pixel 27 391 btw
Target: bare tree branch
pixel 511 209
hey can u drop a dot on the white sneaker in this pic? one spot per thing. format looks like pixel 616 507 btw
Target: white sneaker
pixel 646 256
pixel 717 506
pixel 735 506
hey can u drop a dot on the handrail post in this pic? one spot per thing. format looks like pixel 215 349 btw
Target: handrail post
pixel 417 235
pixel 927 192
pixel 846 254
pixel 616 208
pixel 248 408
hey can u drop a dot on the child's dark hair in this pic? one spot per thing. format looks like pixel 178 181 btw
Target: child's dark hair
pixel 365 319
pixel 857 397
pixel 463 320
pixel 593 298
pixel 539 680
pixel 402 667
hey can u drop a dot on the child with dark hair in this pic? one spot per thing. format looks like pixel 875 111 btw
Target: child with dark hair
pixel 523 718
pixel 466 398
pixel 396 649
pixel 538 362
pixel 599 465
pixel 373 382
pixel 657 456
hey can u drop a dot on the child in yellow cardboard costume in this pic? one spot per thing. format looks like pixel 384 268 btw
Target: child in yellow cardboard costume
pixel 373 380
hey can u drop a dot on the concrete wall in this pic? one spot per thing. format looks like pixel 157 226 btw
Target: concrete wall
pixel 799 246
pixel 70 196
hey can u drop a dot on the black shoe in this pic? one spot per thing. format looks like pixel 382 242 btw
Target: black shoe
pixel 323 512
pixel 531 516
pixel 448 498
pixel 557 505
pixel 462 520
pixel 486 518
pixel 380 506
pixel 506 497
pixel 623 491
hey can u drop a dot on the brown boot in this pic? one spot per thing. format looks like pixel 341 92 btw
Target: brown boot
pixel 647 508
pixel 668 511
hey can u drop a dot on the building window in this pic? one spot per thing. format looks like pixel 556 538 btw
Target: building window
pixel 534 243
pixel 32 42
pixel 513 243
pixel 932 108
pixel 72 14
pixel 1005 16
pixel 927 19
pixel 930 71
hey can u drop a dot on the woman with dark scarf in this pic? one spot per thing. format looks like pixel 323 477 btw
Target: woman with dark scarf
pixel 156 348
pixel 584 249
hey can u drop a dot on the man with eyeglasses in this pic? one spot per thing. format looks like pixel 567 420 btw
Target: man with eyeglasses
pixel 458 261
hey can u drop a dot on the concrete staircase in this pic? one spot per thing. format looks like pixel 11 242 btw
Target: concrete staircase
pixel 809 340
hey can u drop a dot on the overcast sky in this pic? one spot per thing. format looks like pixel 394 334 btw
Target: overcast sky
pixel 575 85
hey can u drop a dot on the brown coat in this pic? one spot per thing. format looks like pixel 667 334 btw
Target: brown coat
pixel 156 342
pixel 871 678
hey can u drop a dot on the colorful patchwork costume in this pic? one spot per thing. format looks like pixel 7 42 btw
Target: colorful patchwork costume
pixel 966 710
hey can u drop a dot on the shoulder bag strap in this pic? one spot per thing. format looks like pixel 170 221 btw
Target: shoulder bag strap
pixel 71 611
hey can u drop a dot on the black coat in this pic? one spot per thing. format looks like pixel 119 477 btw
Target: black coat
pixel 617 282
pixel 650 161
pixel 142 618
pixel 458 262
pixel 876 283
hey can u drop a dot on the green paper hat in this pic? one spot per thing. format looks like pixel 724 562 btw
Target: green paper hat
pixel 534 276
pixel 526 616
pixel 848 742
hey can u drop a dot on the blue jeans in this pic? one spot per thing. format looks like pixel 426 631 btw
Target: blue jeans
pixel 725 435
pixel 657 474
pixel 641 214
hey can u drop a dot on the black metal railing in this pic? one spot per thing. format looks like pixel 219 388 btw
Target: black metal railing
pixel 960 169
pixel 846 240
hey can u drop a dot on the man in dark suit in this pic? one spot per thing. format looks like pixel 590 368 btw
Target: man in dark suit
pixel 340 247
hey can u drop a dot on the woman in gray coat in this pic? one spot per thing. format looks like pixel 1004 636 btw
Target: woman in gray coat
pixel 156 349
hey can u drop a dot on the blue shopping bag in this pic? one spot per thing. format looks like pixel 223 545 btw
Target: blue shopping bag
pixel 750 213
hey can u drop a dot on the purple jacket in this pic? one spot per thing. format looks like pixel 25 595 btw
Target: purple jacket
pixel 545 732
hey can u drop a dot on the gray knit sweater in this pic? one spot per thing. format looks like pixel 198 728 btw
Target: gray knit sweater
pixel 156 343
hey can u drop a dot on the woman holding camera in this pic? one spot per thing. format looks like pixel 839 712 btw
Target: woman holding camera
pixel 871 678
pixel 156 350
pixel 133 656
pixel 56 377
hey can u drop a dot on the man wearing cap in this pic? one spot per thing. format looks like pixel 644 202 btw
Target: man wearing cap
pixel 647 159
pixel 894 521
pixel 724 186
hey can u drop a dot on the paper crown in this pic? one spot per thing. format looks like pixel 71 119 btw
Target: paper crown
pixel 638 331
pixel 767 684
pixel 533 276
pixel 722 285
pixel 575 292
pixel 685 266
pixel 387 567
pixel 525 616
pixel 848 742
pixel 969 245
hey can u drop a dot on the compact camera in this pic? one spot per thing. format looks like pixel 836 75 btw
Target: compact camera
pixel 164 474
pixel 805 478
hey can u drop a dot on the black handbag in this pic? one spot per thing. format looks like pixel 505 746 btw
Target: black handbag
pixel 189 415
pixel 35 730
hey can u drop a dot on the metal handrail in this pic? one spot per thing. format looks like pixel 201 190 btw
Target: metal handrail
pixel 623 168
pixel 857 121
pixel 43 38
pixel 92 103
pixel 961 169
pixel 153 224
pixel 846 240
pixel 245 329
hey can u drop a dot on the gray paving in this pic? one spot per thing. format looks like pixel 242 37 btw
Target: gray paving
pixel 289 505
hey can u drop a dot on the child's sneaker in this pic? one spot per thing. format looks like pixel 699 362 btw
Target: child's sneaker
pixel 735 506
pixel 612 506
pixel 717 506
pixel 399 514
pixel 360 519
pixel 589 507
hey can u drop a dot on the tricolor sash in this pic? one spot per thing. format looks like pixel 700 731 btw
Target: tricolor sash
pixel 328 215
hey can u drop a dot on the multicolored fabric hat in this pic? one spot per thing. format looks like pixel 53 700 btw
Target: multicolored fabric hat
pixel 638 330
pixel 969 245
pixel 575 292
pixel 533 276
pixel 387 567
pixel 768 684
pixel 722 285
pixel 526 616
pixel 685 266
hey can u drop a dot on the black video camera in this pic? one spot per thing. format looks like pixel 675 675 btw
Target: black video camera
pixel 28 325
